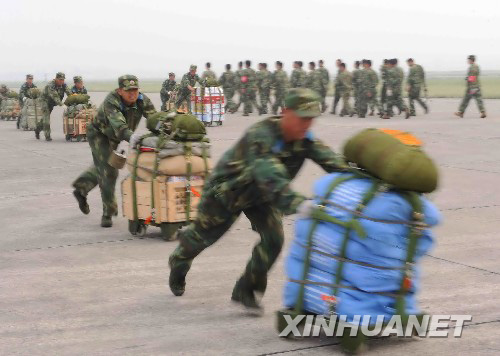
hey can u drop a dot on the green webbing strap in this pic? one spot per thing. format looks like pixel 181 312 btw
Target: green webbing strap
pixel 307 261
pixel 134 189
pixel 415 232
pixel 204 156
pixel 153 179
pixel 188 153
pixel 326 284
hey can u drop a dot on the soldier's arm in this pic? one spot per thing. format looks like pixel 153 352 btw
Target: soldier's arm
pixel 272 178
pixel 324 156
pixel 54 95
pixel 67 90
pixel 117 121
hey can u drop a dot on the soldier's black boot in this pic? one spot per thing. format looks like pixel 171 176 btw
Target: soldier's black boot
pixel 48 138
pixel 243 293
pixel 82 201
pixel 177 278
pixel 37 134
pixel 106 221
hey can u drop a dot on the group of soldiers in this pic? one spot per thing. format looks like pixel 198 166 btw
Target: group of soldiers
pixel 52 94
pixel 361 83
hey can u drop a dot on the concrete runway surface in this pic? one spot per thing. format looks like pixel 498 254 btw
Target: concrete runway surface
pixel 70 287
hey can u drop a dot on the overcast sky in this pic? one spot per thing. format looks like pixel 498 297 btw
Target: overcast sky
pixel 149 38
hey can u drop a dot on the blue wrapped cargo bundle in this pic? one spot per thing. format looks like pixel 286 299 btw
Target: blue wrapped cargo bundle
pixel 359 258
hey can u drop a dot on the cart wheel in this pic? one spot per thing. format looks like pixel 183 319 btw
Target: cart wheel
pixel 137 227
pixel 205 123
pixel 168 230
pixel 220 123
pixel 68 137
pixel 78 138
pixel 141 231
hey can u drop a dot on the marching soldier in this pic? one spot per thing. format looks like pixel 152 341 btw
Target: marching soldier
pixel 314 81
pixel 336 94
pixel 280 85
pixel 78 88
pixel 24 91
pixel 228 82
pixel 253 178
pixel 344 88
pixel 264 78
pixel 394 83
pixel 248 87
pixel 298 77
pixel 167 88
pixel 473 90
pixel 325 77
pixel 415 81
pixel 52 95
pixel 116 120
pixel 356 83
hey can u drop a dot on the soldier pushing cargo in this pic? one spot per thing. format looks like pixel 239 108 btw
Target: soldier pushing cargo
pixel 188 82
pixel 253 177
pixel 117 118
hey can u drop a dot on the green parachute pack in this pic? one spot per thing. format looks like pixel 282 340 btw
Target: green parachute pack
pixel 33 93
pixel 211 82
pixel 12 95
pixel 395 157
pixel 186 127
pixel 76 99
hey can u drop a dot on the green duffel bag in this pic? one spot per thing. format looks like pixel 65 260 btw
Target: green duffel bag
pixel 395 157
pixel 76 99
pixel 161 122
pixel 33 93
pixel 12 95
pixel 187 127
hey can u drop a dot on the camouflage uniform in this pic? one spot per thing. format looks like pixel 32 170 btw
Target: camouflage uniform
pixel 416 78
pixel 473 89
pixel 75 90
pixel 184 94
pixel 344 88
pixel 371 87
pixel 325 77
pixel 383 93
pixel 253 177
pixel 264 78
pixel 52 95
pixel 247 86
pixel 394 84
pixel 24 91
pixel 336 93
pixel 114 123
pixel 228 82
pixel 167 87
pixel 208 74
pixel 356 85
pixel 314 81
pixel 280 85
pixel 298 78
pixel 367 90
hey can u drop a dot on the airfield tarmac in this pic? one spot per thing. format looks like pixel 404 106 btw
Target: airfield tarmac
pixel 70 287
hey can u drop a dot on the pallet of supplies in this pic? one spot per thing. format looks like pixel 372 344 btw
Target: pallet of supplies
pixel 75 120
pixel 207 104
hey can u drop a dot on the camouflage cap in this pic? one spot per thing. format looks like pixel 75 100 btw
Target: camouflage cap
pixel 304 102
pixel 472 57
pixel 29 76
pixel 171 74
pixel 128 82
pixel 77 79
pixel 192 67
pixel 60 75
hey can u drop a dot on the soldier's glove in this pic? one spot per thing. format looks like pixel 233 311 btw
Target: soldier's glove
pixel 134 140
pixel 305 209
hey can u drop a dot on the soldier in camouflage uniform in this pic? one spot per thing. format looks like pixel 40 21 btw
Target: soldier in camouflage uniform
pixel 473 90
pixel 117 118
pixel 383 75
pixel 253 178
pixel 78 88
pixel 298 77
pixel 280 85
pixel 325 77
pixel 228 82
pixel 208 73
pixel 187 87
pixel 23 93
pixel 336 83
pixel 314 81
pixel 248 87
pixel 415 81
pixel 264 78
pixel 167 88
pixel 368 81
pixel 344 87
pixel 52 95
pixel 356 83
pixel 3 93
pixel 394 83
pixel 25 87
